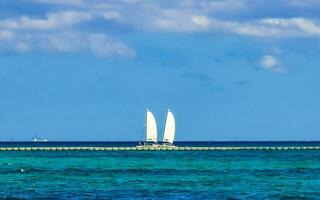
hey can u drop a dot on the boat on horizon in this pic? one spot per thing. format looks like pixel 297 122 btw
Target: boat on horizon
pixel 151 131
pixel 37 138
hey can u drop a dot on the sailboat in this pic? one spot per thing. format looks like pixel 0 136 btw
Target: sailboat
pixel 151 130
pixel 169 129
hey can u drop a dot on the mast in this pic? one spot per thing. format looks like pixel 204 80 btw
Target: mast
pixel 147 124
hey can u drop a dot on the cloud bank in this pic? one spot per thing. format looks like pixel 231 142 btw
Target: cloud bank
pixel 78 25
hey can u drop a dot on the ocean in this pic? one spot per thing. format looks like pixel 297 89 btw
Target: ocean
pixel 160 174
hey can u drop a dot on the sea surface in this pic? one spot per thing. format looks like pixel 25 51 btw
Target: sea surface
pixel 160 174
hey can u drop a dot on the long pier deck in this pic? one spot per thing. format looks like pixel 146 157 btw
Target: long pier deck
pixel 215 148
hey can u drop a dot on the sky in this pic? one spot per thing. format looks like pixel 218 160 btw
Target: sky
pixel 229 70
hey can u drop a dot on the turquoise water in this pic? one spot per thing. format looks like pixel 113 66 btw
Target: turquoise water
pixel 160 175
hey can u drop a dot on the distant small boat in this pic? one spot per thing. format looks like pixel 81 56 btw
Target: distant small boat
pixel 39 139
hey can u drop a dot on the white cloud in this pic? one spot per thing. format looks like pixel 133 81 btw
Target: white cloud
pixel 21 47
pixel 224 5
pixel 57 31
pixel 62 30
pixel 189 18
pixel 305 25
pixel 111 15
pixel 104 46
pixel 271 63
pixel 269 27
pixel 53 20
pixel 5 35
pixel 304 3
pixel 172 20
pixel 202 21
pixel 193 16
pixel 97 43
pixel 66 2
pixel 268 62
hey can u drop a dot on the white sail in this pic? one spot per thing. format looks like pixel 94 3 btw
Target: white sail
pixel 169 128
pixel 151 128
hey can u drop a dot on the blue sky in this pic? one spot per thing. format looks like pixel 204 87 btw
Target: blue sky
pixel 229 69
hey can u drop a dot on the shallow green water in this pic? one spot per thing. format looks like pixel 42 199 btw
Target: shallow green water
pixel 163 175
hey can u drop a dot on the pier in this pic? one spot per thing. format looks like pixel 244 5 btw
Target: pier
pixel 161 148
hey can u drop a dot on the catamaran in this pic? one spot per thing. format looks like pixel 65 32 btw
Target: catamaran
pixel 151 131
pixel 169 129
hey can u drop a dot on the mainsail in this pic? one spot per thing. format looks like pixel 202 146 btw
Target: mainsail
pixel 169 128
pixel 151 128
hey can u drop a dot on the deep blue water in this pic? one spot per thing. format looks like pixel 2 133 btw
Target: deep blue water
pixel 177 143
pixel 160 174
